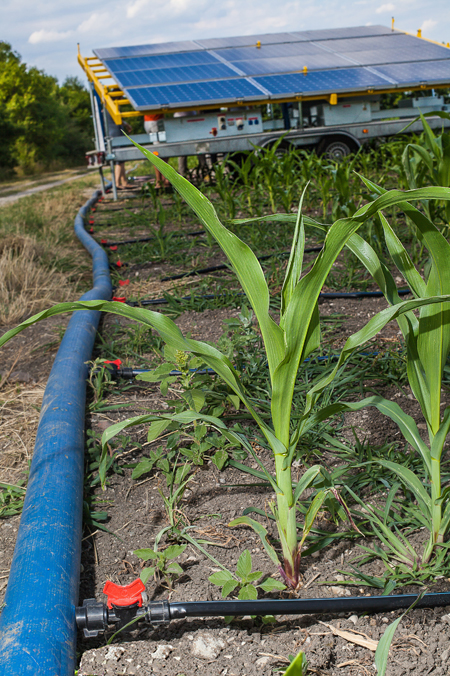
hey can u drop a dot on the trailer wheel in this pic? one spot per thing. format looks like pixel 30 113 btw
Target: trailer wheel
pixel 335 148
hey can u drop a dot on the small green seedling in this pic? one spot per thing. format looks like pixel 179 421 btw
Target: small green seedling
pixel 244 580
pixel 298 665
pixel 164 567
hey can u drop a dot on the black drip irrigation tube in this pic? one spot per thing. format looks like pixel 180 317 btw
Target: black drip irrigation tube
pixel 224 266
pixel 209 296
pixel 127 604
pixel 107 244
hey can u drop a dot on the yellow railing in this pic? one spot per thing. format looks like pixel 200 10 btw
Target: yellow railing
pixel 110 95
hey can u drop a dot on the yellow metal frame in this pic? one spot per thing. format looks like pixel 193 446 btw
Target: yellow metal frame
pixel 113 97
pixel 96 72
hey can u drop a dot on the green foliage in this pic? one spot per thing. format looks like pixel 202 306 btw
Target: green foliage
pixel 40 122
pixel 11 498
pixel 244 580
pixel 164 567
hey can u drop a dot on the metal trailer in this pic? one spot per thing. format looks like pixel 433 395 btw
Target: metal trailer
pixel 331 104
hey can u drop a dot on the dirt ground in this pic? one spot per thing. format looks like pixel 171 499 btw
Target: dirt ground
pixel 335 644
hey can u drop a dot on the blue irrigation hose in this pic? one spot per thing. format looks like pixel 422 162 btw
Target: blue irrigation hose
pixel 37 625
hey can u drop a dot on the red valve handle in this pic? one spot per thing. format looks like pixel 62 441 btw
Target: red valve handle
pixel 126 595
pixel 117 362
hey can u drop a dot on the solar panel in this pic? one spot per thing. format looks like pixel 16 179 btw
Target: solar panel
pixel 391 41
pixel 162 61
pixel 373 57
pixel 297 63
pixel 142 50
pixel 426 71
pixel 222 91
pixel 269 51
pixel 261 67
pixel 167 75
pixel 348 80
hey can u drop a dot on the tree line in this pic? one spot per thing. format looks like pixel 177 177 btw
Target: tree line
pixel 42 124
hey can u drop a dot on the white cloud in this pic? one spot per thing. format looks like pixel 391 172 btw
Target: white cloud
pixel 428 24
pixel 93 23
pixel 48 36
pixel 135 8
pixel 385 8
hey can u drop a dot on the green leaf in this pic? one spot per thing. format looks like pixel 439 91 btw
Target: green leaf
pixel 384 644
pixel 195 399
pixel 220 458
pixel 271 585
pixel 244 564
pixel 143 467
pixel 248 593
pixel 298 667
pixel 174 568
pixel 146 554
pixel 173 551
pixel 220 578
pixel 243 260
pixel 156 429
pixel 261 531
pixel 306 480
pixel 251 577
pixel 294 266
pixel 147 573
pixel 229 587
pixel 312 513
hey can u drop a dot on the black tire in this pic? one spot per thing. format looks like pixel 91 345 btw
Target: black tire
pixel 336 148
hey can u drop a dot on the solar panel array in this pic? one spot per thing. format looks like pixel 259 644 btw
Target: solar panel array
pixel 274 66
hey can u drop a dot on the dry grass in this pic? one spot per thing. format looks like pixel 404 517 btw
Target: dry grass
pixel 41 262
pixel 26 286
pixel 19 416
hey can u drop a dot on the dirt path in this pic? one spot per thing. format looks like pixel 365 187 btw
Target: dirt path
pixel 36 186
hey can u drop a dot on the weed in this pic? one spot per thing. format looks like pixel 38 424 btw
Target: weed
pixel 164 567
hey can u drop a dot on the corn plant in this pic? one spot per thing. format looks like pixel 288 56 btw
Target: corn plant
pixel 428 163
pixel 286 344
pixel 427 340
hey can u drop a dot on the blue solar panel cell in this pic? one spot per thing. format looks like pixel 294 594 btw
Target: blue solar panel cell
pixel 269 51
pixel 321 81
pixel 142 50
pixel 172 75
pixel 222 91
pixel 374 57
pixel 162 61
pixel 391 41
pixel 426 71
pixel 292 64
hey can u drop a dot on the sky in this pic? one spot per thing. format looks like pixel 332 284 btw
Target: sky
pixel 46 32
